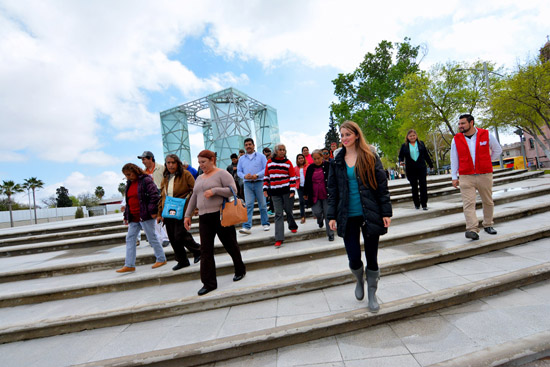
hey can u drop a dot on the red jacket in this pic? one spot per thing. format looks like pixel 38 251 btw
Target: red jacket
pixel 483 154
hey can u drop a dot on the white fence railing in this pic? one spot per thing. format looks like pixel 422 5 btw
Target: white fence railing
pixel 50 213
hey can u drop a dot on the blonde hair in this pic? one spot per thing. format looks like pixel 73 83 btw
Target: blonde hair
pixel 365 157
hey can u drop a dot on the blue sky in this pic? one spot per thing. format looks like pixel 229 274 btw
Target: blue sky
pixel 82 83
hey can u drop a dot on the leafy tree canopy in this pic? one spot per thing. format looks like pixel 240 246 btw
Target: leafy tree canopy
pixel 99 192
pixel 433 100
pixel 368 95
pixel 63 199
pixel 522 100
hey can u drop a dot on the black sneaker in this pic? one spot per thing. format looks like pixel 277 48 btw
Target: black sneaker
pixel 490 230
pixel 472 235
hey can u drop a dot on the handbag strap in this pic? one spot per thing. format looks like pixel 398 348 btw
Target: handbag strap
pixel 234 198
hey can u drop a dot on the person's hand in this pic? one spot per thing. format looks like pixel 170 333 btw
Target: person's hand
pixel 265 194
pixel 455 184
pixel 234 168
pixel 187 223
pixel 248 176
pixel 387 221
pixel 291 194
pixel 125 222
pixel 305 197
pixel 159 219
pixel 332 224
pixel 196 212
pixel 208 193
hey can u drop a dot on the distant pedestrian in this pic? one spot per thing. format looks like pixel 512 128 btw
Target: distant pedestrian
pixel 414 156
pixel 178 183
pixel 280 180
pixel 156 171
pixel 232 169
pixel 191 170
pixel 251 169
pixel 268 201
pixel 210 189
pixel 472 152
pixel 359 201
pixel 326 155
pixel 305 152
pixel 300 173
pixel 315 190
pixel 142 198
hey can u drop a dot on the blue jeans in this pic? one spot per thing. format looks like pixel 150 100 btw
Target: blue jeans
pixel 134 229
pixel 254 191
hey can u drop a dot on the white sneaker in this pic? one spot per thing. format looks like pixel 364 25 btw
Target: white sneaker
pixel 266 228
pixel 245 231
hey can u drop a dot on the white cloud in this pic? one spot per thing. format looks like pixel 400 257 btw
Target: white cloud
pixel 70 70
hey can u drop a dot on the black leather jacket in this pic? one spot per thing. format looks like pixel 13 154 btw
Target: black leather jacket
pixel 375 202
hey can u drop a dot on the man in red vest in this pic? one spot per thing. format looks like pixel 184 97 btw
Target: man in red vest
pixel 472 153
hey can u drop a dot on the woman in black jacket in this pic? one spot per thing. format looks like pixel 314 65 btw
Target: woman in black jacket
pixel 414 156
pixel 359 201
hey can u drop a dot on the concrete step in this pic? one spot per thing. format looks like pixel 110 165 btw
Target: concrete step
pixel 82 227
pixel 104 281
pixel 216 335
pixel 13 248
pixel 410 256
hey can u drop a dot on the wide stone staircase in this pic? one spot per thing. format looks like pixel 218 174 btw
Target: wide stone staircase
pixel 445 300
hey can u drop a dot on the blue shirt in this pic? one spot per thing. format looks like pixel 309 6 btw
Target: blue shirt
pixel 252 163
pixel 192 171
pixel 413 150
pixel 355 209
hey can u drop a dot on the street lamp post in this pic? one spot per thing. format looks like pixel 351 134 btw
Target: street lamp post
pixel 486 72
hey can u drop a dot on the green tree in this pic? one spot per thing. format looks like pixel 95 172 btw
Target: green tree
pixel 122 188
pixel 63 199
pixel 523 101
pixel 368 95
pixel 99 192
pixel 9 188
pixel 74 200
pixel 34 184
pixel 433 100
pixel 88 200
pixel 332 135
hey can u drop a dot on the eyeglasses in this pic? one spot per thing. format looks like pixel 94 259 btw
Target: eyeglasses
pixel 325 153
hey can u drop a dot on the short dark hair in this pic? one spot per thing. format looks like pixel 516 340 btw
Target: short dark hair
pixel 249 139
pixel 303 148
pixel 266 150
pixel 467 116
pixel 234 155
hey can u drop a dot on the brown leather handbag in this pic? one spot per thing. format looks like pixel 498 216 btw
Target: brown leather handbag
pixel 233 212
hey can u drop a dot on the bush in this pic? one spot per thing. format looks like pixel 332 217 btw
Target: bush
pixel 79 213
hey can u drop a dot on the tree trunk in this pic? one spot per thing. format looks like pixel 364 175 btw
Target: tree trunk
pixel 34 206
pixel 9 207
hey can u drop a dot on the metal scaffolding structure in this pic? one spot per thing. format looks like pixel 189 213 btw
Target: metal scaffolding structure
pixel 233 116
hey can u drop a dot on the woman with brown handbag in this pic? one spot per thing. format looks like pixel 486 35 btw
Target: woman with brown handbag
pixel 210 189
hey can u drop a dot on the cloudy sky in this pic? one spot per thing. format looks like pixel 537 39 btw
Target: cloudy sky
pixel 82 82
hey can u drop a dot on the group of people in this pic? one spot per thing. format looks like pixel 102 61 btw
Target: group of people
pixel 145 200
pixel 346 189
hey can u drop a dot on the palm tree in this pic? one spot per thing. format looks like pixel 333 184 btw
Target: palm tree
pixel 122 188
pixel 99 192
pixel 9 188
pixel 26 186
pixel 33 183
